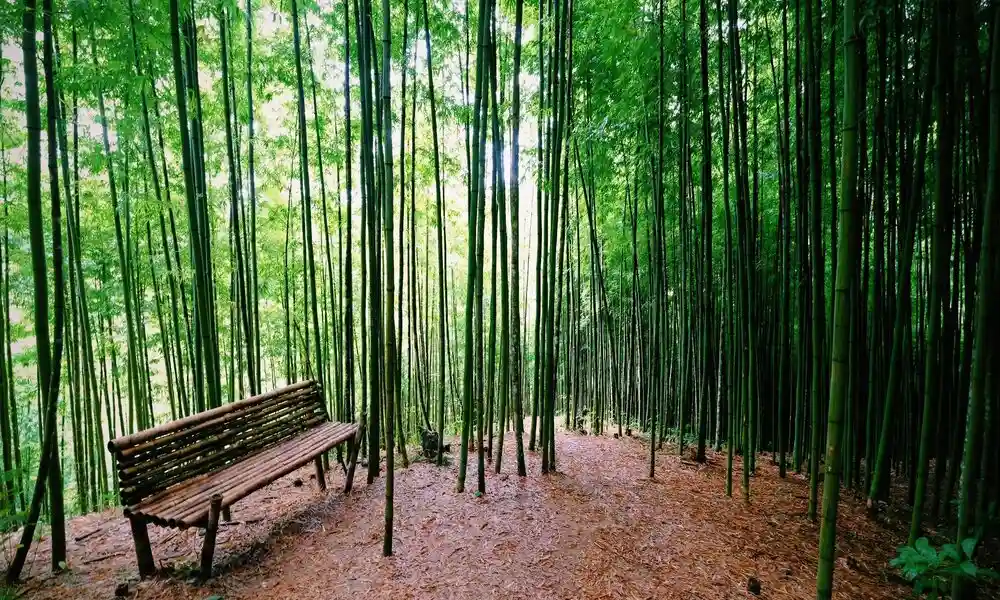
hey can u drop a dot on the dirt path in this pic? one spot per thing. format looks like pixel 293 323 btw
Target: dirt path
pixel 597 529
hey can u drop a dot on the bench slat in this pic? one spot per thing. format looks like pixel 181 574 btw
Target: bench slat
pixel 129 455
pixel 134 439
pixel 175 467
pixel 179 496
pixel 239 488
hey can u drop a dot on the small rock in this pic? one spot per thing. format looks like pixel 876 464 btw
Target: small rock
pixel 753 586
pixel 297 483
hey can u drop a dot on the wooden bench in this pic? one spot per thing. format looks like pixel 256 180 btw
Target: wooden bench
pixel 187 472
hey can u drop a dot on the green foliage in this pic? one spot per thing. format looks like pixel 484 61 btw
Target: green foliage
pixel 931 569
pixel 671 436
pixel 10 520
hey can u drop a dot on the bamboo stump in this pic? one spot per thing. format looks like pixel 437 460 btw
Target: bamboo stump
pixel 143 551
pixel 211 531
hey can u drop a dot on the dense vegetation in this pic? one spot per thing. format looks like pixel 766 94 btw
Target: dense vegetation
pixel 764 226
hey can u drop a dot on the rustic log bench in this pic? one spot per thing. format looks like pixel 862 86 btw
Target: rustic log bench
pixel 187 472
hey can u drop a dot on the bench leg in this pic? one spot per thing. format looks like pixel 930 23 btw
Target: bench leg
pixel 211 531
pixel 353 452
pixel 340 457
pixel 320 474
pixel 227 516
pixel 143 551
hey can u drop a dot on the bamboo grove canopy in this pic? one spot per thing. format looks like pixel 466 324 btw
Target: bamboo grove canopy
pixel 757 225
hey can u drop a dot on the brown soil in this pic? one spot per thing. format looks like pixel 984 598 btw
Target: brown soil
pixel 599 528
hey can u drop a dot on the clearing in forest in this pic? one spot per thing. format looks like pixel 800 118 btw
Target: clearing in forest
pixel 596 529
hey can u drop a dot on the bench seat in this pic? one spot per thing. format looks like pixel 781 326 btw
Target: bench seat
pixel 186 504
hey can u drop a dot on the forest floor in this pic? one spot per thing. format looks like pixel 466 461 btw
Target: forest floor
pixel 599 528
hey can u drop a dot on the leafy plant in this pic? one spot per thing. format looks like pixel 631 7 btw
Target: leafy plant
pixel 10 518
pixel 931 570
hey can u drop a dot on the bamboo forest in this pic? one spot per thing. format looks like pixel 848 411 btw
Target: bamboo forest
pixel 561 299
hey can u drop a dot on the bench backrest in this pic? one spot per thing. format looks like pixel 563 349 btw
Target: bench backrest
pixel 155 459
